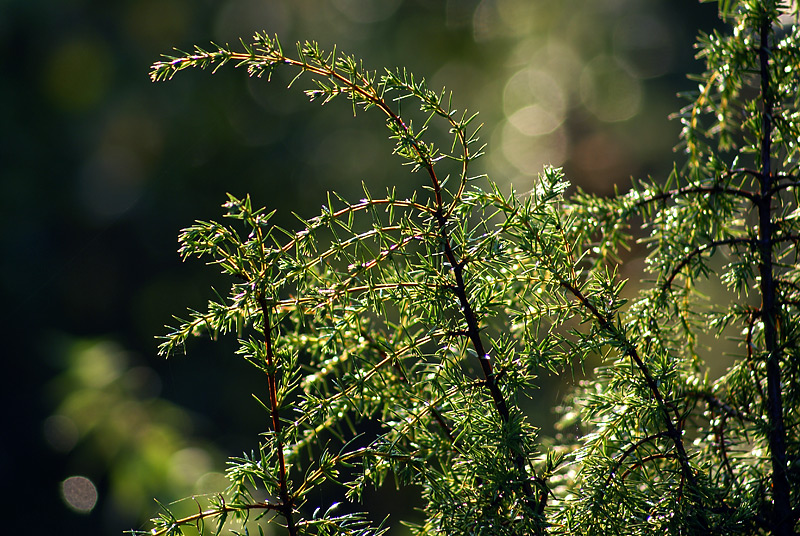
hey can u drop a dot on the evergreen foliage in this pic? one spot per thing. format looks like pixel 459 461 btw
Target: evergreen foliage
pixel 398 336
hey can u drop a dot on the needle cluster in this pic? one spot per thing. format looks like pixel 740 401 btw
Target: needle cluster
pixel 400 336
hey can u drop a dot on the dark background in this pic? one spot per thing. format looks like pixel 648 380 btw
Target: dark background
pixel 101 168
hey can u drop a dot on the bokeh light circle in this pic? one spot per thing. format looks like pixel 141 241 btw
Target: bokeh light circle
pixel 79 493
pixel 609 91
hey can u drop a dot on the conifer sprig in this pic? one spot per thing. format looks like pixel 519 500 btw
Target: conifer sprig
pixel 399 337
pixel 320 283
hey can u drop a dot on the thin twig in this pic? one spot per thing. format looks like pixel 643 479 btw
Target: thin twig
pixel 716 189
pixel 286 497
pixel 642 461
pixel 625 453
pixel 701 249
pixel 719 431
pixel 224 509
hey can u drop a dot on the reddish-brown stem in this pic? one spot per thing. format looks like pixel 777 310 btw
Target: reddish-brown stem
pixel 642 461
pixel 716 189
pixel 435 412
pixel 699 250
pixel 627 452
pixel 214 512
pixel 272 384
pixel 779 186
pixel 719 432
pixel 630 351
pixel 715 402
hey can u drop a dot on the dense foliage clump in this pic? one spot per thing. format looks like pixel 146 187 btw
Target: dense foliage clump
pixel 399 335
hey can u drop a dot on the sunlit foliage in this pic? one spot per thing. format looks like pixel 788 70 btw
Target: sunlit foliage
pixel 398 335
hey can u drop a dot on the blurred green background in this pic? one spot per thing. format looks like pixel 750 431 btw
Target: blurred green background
pixel 101 168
